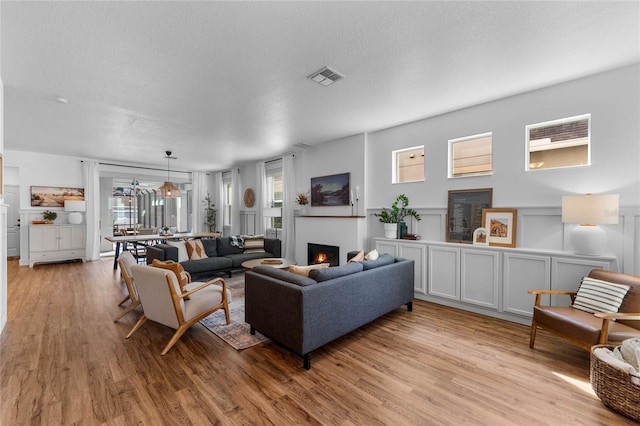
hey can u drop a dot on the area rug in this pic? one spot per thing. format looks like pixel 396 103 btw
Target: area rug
pixel 236 334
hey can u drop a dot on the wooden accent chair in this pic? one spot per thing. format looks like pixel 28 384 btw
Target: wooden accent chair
pixel 585 329
pixel 126 261
pixel 164 302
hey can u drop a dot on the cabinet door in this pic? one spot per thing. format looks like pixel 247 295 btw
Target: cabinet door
pixel 71 237
pixel 523 272
pixel 566 274
pixel 387 247
pixel 480 277
pixel 416 252
pixel 43 238
pixel 444 272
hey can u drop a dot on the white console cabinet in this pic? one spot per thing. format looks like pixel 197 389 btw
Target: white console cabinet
pixel 492 280
pixel 55 243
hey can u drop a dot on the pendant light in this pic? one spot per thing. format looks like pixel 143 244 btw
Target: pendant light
pixel 168 189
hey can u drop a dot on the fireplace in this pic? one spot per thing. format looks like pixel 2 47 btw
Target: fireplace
pixel 321 253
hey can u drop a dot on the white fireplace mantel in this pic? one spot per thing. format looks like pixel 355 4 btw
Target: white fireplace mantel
pixel 346 232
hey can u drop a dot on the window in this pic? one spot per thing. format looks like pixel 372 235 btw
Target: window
pixel 559 143
pixel 408 164
pixel 228 198
pixel 471 155
pixel 273 171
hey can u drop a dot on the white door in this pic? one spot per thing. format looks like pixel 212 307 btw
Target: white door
pixel 12 199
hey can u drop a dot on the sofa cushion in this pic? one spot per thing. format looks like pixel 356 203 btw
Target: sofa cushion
pixel 225 248
pixel 382 260
pixel 335 272
pixel 283 275
pixel 195 249
pixel 207 265
pixel 304 270
pixel 253 244
pixel 183 255
pixel 599 296
pixel 210 246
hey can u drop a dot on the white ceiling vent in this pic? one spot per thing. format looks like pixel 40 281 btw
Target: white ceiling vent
pixel 326 76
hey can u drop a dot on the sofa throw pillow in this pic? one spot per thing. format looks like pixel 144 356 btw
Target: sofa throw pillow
pixel 210 246
pixel 599 296
pixel 358 257
pixel 283 275
pixel 372 255
pixel 183 256
pixel 195 250
pixel 253 243
pixel 236 241
pixel 304 270
pixel 178 270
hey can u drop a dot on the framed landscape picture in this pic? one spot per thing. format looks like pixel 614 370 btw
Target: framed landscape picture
pixel 330 190
pixel 53 196
pixel 501 226
pixel 464 213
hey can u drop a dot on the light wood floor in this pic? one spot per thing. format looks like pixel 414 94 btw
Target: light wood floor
pixel 63 361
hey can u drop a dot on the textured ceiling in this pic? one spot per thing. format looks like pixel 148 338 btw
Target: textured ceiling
pixel 222 83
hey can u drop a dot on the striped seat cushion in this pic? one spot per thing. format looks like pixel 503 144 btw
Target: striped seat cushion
pixel 253 243
pixel 599 296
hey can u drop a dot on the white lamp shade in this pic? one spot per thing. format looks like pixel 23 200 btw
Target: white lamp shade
pixel 273 212
pixel 591 209
pixel 75 206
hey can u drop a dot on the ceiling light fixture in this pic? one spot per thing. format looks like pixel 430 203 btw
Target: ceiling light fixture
pixel 168 189
pixel 326 76
pixel 61 100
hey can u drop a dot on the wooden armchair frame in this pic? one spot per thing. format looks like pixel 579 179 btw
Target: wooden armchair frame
pixel 176 298
pixel 605 316
pixel 131 290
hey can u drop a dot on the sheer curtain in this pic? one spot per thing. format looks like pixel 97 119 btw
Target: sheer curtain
pixel 92 215
pixel 288 207
pixel 218 198
pixel 199 180
pixel 261 192
pixel 235 201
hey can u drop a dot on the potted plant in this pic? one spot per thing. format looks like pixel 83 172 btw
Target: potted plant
pixel 303 201
pixel 398 211
pixel 49 215
pixel 210 213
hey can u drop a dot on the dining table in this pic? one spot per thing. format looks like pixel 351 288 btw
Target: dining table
pixel 145 238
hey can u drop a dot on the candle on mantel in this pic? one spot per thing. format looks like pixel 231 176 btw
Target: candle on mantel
pixel 351 196
pixel 357 191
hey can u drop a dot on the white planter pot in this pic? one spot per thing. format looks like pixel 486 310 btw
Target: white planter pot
pixel 390 230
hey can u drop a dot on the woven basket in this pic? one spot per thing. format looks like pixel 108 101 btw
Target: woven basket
pixel 614 387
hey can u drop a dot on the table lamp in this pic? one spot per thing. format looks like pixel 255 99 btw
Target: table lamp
pixel 75 207
pixel 273 212
pixel 589 211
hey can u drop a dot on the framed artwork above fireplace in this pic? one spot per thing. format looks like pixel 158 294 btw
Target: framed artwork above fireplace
pixel 332 190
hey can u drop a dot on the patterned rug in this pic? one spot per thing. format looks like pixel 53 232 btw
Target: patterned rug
pixel 236 334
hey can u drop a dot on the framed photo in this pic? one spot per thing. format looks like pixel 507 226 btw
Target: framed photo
pixel 464 213
pixel 501 226
pixel 53 196
pixel 330 190
pixel 481 237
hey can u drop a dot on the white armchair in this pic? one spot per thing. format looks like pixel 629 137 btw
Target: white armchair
pixel 164 302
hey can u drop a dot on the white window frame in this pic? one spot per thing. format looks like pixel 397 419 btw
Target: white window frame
pixel 452 142
pixel 527 158
pixel 396 166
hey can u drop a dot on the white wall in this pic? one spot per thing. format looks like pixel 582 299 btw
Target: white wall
pixel 612 100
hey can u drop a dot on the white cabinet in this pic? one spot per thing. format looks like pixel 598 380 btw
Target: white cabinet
pixel 480 277
pixel 54 243
pixel 444 272
pixel 522 272
pixel 490 280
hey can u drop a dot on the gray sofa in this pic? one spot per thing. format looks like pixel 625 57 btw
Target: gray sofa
pixel 304 313
pixel 222 256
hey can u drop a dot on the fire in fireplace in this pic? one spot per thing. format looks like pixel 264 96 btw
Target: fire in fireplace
pixel 321 253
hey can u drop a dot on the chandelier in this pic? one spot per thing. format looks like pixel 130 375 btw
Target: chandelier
pixel 168 189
